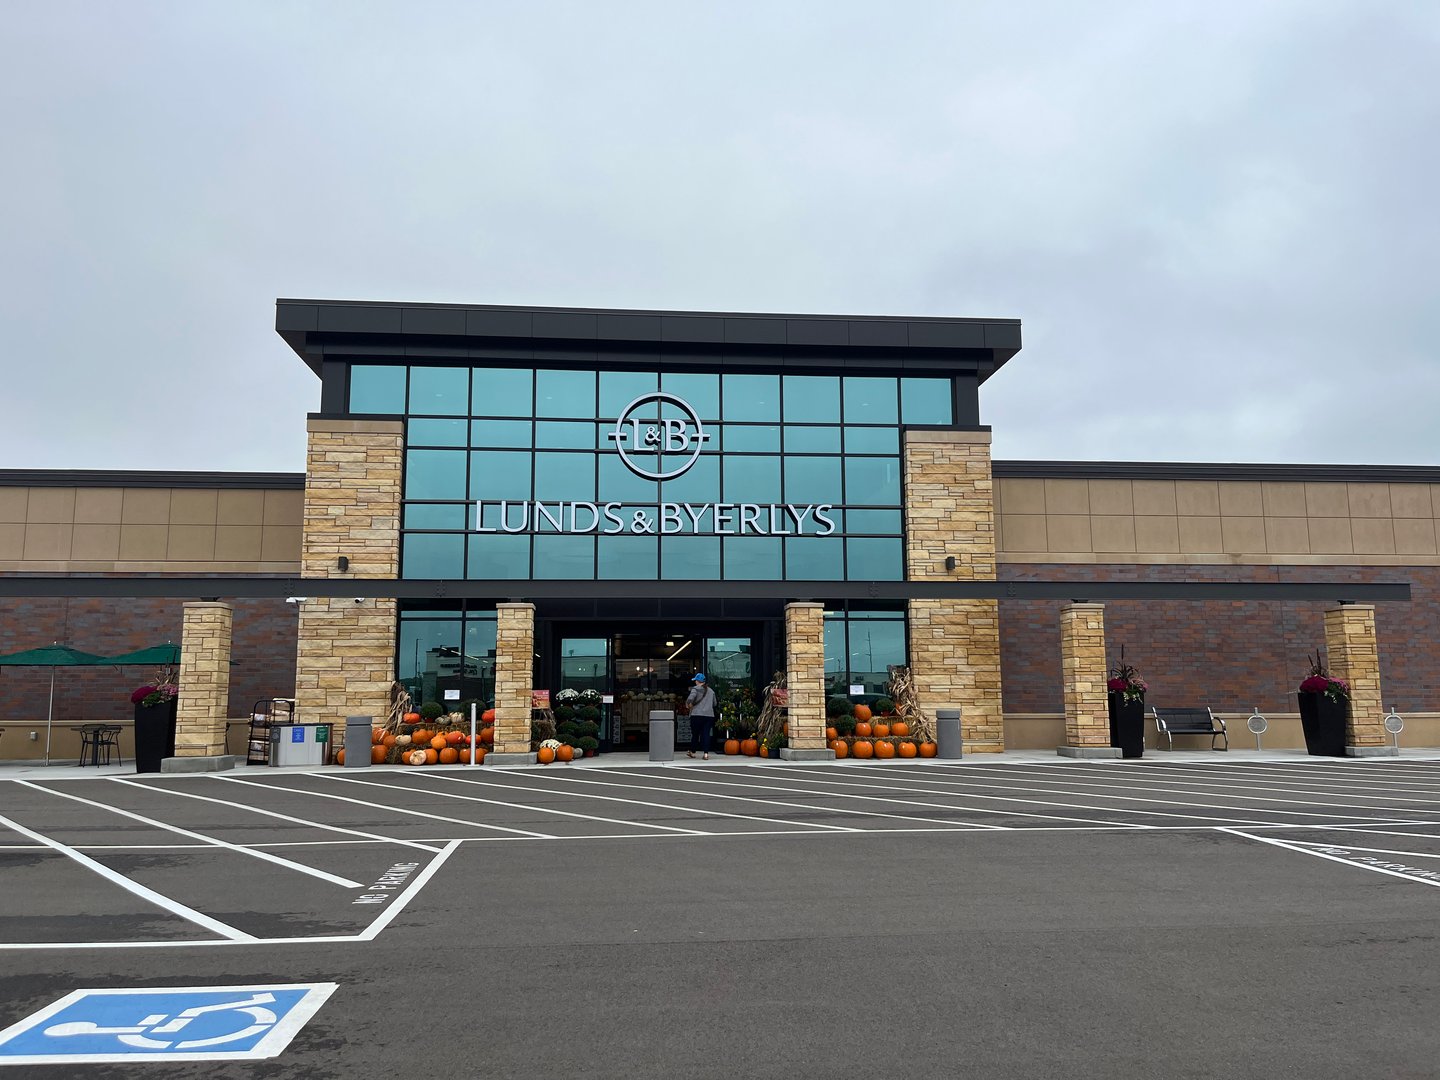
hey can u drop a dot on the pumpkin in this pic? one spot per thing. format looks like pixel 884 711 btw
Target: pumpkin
pixel 377 736
pixel 480 755
pixel 431 756
pixel 415 757
pixel 487 735
pixel 881 730
pixel 907 749
pixel 411 718
pixel 378 754
pixel 449 756
pixel 488 716
pixel 832 733
pixel 841 750
pixel 928 749
pixel 862 730
pixel 900 729
pixel 340 756
pixel 454 738
pixel 862 712
pixel 566 752
pixel 750 747
pixel 422 736
pixel 403 740
pixel 863 748
pixel 732 746
pixel 545 755
pixel 884 748
pixel 464 757
pixel 390 739
pixel 438 743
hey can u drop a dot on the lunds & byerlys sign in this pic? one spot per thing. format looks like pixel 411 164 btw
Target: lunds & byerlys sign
pixel 658 448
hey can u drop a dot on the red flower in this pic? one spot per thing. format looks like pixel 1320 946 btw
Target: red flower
pixel 1118 686
pixel 141 694
pixel 1315 684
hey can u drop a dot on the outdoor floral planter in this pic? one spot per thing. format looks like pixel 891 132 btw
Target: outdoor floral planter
pixel 154 734
pixel 1127 724
pixel 1323 719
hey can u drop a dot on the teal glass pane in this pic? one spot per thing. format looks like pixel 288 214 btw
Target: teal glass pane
pixel 872 481
pixel 501 392
pixel 690 558
pixel 479 667
pixel 627 558
pixel 926 401
pixel 425 645
pixel 812 399
pixel 500 474
pixel 565 393
pixel 702 392
pixel 752 558
pixel 874 646
pixel 432 555
pixel 751 438
pixel 814 559
pixel 619 484
pixel 619 388
pixel 435 474
pixel 871 401
pixel 377 389
pixel 508 515
pixel 812 479
pixel 812 440
pixel 441 391
pixel 438 516
pixel 837 672
pixel 751 479
pixel 435 433
pixel 873 521
pixel 498 556
pixel 571 557
pixel 674 518
pixel 874 560
pixel 564 435
pixel 500 433
pixel 751 397
pixel 701 483
pixel 564 476
pixel 874 440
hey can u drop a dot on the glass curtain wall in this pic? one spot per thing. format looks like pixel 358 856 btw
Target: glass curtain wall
pixel 860 647
pixel 442 649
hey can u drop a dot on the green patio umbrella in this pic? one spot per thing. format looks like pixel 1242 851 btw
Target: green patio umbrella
pixel 154 656
pixel 51 656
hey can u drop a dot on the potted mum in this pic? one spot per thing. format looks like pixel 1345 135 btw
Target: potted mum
pixel 1324 710
pixel 1126 700
pixel 155 708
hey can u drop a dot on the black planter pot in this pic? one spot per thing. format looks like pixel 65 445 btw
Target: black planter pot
pixel 154 735
pixel 1323 720
pixel 1127 725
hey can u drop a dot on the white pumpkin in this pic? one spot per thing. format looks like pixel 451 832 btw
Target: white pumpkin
pixel 417 757
pixel 402 740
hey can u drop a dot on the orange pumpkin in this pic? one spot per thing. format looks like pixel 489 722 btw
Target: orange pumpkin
pixel 438 743
pixel 750 747
pixel 449 756
pixel 545 755
pixel 488 716
pixel 464 757
pixel 862 730
pixel 377 736
pixel 907 749
pixel 420 736
pixel 416 757
pixel 928 749
pixel 732 746
pixel 487 736
pixel 480 755
pixel 900 729
pixel 863 748
pixel 565 753
pixel 454 738
pixel 832 733
pixel 884 748
pixel 389 739
pixel 862 712
pixel 432 756
pixel 841 750
pixel 881 730
pixel 377 754
pixel 411 718
pixel 340 756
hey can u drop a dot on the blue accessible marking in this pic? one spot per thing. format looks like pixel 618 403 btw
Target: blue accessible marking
pixel 167 1023
pixel 297 734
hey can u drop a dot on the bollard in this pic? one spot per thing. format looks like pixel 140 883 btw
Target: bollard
pixel 357 741
pixel 662 735
pixel 949 745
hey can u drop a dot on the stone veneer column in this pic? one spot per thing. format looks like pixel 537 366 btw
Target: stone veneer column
pixel 204 703
pixel 1353 655
pixel 805 682
pixel 514 679
pixel 1082 665
pixel 345 657
pixel 954 644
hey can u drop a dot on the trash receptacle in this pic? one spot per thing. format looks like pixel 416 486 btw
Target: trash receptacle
pixel 662 735
pixel 357 741
pixel 949 743
pixel 300 744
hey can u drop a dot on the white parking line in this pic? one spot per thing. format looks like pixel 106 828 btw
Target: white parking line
pixel 1243 774
pixel 215 926
pixel 1303 849
pixel 264 856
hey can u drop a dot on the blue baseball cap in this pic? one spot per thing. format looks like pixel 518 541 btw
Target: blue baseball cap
pixel 698 678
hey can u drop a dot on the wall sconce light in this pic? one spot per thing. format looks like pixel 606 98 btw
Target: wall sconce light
pixel 949 562
pixel 344 562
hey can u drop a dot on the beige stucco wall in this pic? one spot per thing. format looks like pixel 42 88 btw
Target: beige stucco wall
pixel 1045 731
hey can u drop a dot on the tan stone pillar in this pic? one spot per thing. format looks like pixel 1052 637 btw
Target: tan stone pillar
pixel 1082 665
pixel 1354 655
pixel 204 702
pixel 345 655
pixel 514 679
pixel 805 682
pixel 954 644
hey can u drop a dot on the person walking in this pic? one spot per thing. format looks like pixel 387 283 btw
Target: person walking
pixel 700 703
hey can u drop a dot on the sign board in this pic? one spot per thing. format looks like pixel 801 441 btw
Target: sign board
pixel 607 699
pixel 539 699
pixel 322 733
pixel 297 734
pixel 857 688
pixel 452 695
pixel 164 1023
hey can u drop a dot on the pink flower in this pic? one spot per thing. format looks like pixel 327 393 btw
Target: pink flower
pixel 141 694
pixel 1315 684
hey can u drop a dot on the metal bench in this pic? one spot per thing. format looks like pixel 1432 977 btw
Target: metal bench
pixel 1172 722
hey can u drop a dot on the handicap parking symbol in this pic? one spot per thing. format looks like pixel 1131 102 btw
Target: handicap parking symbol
pixel 166 1023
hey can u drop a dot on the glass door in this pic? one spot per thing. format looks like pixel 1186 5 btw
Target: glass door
pixel 585 665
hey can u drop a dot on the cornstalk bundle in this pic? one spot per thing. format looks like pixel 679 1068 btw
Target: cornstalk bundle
pixel 772 715
pixel 907 706
pixel 399 706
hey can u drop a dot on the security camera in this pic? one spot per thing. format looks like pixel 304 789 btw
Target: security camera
pixel 296 599
pixel 359 599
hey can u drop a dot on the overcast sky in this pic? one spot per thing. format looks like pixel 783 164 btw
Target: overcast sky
pixel 1217 220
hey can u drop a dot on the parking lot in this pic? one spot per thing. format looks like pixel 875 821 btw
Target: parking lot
pixel 1186 915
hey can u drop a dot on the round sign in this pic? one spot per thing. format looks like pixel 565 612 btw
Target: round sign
pixel 1257 724
pixel 1393 724
pixel 669 436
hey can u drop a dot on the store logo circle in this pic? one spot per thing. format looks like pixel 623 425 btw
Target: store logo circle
pixel 669 435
